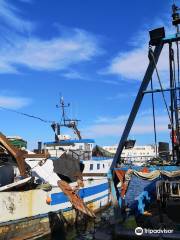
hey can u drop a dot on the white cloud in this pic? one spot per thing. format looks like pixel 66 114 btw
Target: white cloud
pixel 108 119
pixel 113 127
pixel 56 54
pixel 122 95
pixel 11 16
pixel 14 102
pixel 74 75
pixel 83 76
pixel 115 130
pixel 132 64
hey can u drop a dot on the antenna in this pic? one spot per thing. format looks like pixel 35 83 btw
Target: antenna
pixel 63 106
pixel 67 122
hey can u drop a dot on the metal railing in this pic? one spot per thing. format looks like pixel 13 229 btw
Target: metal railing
pixel 167 189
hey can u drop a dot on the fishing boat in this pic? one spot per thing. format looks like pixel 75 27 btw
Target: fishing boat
pixel 44 190
pixel 95 162
pixel 151 193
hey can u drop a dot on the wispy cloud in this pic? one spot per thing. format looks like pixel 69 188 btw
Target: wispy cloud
pixel 108 119
pixel 12 17
pixel 131 64
pixel 111 82
pixel 82 76
pixel 58 53
pixel 74 75
pixel 14 102
pixel 122 95
pixel 114 126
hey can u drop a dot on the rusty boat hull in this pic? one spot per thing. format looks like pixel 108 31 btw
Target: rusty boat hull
pixel 35 213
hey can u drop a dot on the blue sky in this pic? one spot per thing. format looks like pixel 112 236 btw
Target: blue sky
pixel 92 52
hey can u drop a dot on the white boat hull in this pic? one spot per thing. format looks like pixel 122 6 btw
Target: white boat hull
pixel 19 209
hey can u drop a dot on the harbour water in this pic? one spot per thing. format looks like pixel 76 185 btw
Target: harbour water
pixel 88 229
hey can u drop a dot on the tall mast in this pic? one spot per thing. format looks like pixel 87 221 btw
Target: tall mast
pixel 67 122
pixel 175 94
pixel 172 99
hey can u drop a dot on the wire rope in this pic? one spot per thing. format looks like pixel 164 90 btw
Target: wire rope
pixel 159 80
pixel 26 114
pixel 154 118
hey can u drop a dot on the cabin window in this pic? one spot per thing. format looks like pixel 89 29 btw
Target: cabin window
pixel 87 147
pixel 91 166
pixel 98 166
pixel 103 165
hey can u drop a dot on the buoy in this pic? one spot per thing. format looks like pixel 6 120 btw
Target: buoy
pixel 48 200
pixel 144 170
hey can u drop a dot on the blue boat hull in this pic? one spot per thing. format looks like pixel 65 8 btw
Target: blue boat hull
pixel 141 193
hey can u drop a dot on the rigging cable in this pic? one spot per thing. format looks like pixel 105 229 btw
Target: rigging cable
pixel 159 80
pixel 154 118
pixel 25 114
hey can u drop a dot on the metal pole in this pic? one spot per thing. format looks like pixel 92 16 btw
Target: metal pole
pixel 159 90
pixel 172 99
pixel 176 111
pixel 137 103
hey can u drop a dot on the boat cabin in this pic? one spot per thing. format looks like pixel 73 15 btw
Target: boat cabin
pixel 81 148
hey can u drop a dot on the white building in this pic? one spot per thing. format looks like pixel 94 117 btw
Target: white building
pixel 137 154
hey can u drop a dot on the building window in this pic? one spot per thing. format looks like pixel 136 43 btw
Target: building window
pixel 103 165
pixel 98 166
pixel 91 166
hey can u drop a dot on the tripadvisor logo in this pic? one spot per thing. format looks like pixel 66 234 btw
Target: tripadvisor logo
pixel 138 231
pixel 164 231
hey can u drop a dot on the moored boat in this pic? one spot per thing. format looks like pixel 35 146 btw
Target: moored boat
pixel 31 212
pixel 150 192
pixel 46 188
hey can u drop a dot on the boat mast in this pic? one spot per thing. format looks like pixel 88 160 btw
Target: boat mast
pixel 67 122
pixel 172 97
pixel 174 84
pixel 63 106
